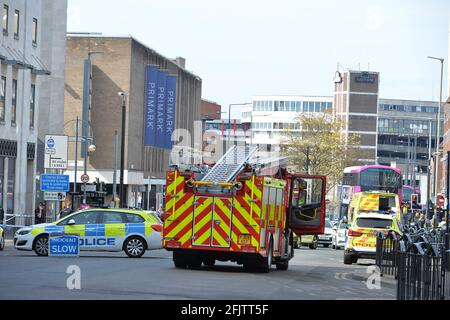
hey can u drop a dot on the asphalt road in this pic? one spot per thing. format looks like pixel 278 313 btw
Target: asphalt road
pixel 313 274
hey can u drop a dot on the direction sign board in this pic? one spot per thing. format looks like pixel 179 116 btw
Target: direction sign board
pixel 54 182
pixel 64 246
pixel 55 152
pixel 54 196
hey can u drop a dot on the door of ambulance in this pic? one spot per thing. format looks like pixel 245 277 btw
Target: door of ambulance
pixel 307 204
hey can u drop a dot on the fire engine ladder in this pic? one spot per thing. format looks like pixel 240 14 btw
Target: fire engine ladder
pixel 230 164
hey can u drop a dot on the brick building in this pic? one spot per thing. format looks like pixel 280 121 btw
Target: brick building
pixel 118 64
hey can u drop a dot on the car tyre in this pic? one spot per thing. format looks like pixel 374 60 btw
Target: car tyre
pixel 40 245
pixel 314 245
pixel 267 261
pixel 283 266
pixel 179 260
pixel 2 243
pixel 135 247
pixel 348 258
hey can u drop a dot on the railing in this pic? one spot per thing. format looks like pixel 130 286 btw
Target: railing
pixel 418 261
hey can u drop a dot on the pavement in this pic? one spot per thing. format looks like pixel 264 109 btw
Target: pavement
pixel 313 275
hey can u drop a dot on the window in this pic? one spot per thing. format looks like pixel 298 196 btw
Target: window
pixel 112 217
pixel 83 218
pixel 373 223
pixel 2 98
pixel 32 97
pixel 16 23
pixel 5 19
pixel 35 31
pixel 277 106
pixel 14 102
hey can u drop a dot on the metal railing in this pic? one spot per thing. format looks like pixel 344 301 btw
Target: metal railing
pixel 418 261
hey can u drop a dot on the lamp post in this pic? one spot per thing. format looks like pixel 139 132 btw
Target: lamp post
pixel 438 131
pixel 123 97
pixel 91 148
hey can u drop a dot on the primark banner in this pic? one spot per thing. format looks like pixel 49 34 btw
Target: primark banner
pixel 160 97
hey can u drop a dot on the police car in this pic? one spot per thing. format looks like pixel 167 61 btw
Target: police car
pixel 2 239
pixel 114 230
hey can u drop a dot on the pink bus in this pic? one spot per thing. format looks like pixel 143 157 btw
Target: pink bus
pixel 368 178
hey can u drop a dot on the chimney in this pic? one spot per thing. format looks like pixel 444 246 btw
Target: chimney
pixel 181 62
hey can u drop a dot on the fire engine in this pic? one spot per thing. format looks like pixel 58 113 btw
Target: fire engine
pixel 243 209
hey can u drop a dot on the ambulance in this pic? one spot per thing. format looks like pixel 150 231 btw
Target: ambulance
pixel 369 214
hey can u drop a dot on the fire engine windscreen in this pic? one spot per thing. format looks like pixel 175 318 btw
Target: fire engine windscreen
pixel 307 202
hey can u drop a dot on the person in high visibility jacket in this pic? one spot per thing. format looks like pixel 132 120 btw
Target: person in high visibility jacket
pixel 406 213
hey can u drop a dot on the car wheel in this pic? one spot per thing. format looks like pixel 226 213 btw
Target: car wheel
pixel 338 248
pixel 40 246
pixel 135 247
pixel 283 266
pixel 179 260
pixel 348 258
pixel 314 245
pixel 267 261
pixel 2 242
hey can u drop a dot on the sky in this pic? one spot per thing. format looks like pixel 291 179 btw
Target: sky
pixel 243 48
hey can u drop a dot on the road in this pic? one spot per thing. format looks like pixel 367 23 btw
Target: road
pixel 313 274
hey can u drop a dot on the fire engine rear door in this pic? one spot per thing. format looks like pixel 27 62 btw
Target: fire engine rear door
pixel 307 204
pixel 221 233
pixel 203 213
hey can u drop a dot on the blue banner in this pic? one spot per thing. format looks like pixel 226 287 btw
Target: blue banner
pixel 161 109
pixel 171 88
pixel 150 101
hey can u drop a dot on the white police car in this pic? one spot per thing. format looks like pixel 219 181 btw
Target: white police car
pixel 132 231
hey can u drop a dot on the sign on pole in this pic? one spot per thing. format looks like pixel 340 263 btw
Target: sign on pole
pixel 54 196
pixel 54 182
pixel 55 152
pixel 84 178
pixel 64 245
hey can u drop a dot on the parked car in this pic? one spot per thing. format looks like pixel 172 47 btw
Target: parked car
pixel 339 235
pixel 311 241
pixel 326 238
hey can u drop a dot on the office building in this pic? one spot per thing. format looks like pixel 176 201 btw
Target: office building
pixel 25 56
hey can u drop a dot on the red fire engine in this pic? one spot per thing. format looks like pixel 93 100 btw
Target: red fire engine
pixel 240 211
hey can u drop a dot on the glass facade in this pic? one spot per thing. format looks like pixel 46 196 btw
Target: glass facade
pixel 400 126
pixel 291 106
pixel 408 108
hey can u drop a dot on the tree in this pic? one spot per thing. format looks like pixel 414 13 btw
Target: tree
pixel 321 147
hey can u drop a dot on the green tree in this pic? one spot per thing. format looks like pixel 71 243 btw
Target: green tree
pixel 321 148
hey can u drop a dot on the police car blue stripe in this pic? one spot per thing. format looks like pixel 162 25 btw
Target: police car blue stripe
pixel 138 228
pixel 100 230
pixel 91 230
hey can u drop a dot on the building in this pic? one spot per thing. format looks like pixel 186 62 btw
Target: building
pixel 386 126
pixel 268 117
pixel 407 136
pixel 210 110
pixel 122 64
pixel 356 101
pixel 24 47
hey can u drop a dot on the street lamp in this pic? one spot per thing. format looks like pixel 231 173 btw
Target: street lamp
pixel 123 97
pixel 438 131
pixel 91 149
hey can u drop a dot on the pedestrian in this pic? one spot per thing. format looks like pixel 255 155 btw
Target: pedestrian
pixel 65 211
pixel 405 213
pixel 39 213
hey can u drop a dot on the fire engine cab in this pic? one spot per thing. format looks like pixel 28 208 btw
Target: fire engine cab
pixel 243 209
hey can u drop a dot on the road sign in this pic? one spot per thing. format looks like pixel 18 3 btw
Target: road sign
pixel 64 246
pixel 54 182
pixel 54 196
pixel 89 188
pixel 84 178
pixel 55 152
pixel 440 200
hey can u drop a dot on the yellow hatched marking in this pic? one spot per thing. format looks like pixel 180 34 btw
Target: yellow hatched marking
pixel 226 210
pixel 205 220
pixel 255 207
pixel 183 223
pixel 177 180
pixel 256 193
pixel 222 242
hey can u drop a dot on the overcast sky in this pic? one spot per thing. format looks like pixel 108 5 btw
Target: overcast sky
pixel 242 48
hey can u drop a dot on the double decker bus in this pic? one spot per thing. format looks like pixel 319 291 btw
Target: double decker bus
pixel 368 178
